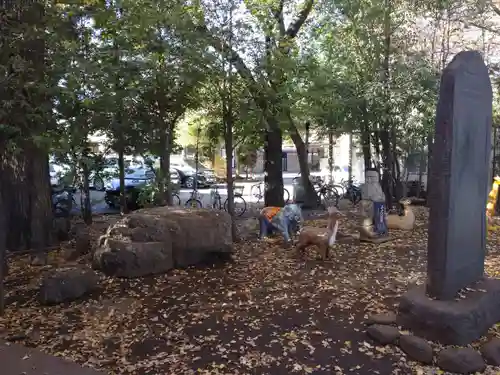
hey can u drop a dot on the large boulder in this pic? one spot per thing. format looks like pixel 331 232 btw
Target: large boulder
pixel 155 240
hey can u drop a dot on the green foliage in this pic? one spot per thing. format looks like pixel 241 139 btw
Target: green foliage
pixel 133 70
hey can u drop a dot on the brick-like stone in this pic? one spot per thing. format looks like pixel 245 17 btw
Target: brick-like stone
pixel 416 348
pixel 388 318
pixel 491 352
pixel 383 334
pixel 461 360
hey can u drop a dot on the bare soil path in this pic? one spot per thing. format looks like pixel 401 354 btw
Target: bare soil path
pixel 265 313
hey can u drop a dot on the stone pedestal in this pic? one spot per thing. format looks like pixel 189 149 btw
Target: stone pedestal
pixel 452 322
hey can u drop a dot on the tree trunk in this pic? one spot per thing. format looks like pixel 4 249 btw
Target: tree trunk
pixel 350 158
pixel 3 252
pixel 121 170
pixel 228 140
pixel 273 176
pixel 86 206
pixel 85 203
pixel 387 180
pixel 165 185
pixel 376 145
pixel 310 196
pixel 26 186
pixel 365 140
pixel 330 155
pixel 421 169
pixel 385 134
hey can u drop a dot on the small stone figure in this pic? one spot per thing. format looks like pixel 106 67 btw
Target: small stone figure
pixel 402 222
pixel 373 226
pixel 323 238
pixel 285 220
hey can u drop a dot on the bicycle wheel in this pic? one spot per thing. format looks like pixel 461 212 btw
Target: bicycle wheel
pixel 240 206
pixel 255 191
pixel 339 189
pixel 193 203
pixel 356 197
pixel 330 197
pixel 176 200
pixel 286 195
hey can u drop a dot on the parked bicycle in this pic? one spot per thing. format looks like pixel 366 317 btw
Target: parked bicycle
pixel 327 195
pixel 351 191
pixel 194 200
pixel 258 190
pixel 176 200
pixel 240 205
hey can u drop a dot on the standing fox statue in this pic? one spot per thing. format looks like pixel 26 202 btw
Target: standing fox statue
pixel 322 238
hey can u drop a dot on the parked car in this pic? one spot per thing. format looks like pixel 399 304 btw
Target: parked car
pixel 134 179
pixel 99 179
pixel 187 178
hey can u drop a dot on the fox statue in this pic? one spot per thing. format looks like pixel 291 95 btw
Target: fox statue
pixel 323 238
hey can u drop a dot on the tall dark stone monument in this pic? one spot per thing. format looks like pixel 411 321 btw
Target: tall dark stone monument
pixel 459 180
pixel 459 177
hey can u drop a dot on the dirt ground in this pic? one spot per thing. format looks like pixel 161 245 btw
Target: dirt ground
pixel 264 313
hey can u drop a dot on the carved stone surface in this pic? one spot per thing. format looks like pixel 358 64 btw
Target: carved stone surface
pixel 459 176
pixel 455 322
pixel 372 227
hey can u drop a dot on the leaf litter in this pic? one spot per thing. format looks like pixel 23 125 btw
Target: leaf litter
pixel 265 313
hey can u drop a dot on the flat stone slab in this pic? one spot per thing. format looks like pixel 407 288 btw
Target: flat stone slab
pixel 455 322
pixel 18 360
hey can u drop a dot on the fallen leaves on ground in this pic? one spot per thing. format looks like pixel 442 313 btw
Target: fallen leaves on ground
pixel 265 313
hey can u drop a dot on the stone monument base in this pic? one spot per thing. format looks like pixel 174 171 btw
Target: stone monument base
pixel 455 322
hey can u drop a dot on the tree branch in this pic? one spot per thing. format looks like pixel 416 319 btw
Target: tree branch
pixel 482 27
pixel 495 8
pixel 230 54
pixel 278 16
pixel 299 20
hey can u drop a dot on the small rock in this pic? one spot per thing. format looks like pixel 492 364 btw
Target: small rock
pixel 383 318
pixel 39 260
pixel 383 334
pixel 491 352
pixel 461 360
pixel 67 285
pixel 83 245
pixel 416 348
